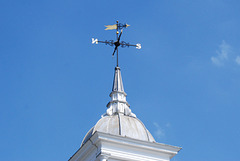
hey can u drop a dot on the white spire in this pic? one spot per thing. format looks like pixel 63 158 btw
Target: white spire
pixel 118 103
pixel 117 81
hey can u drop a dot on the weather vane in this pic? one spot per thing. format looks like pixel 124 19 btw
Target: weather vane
pixel 116 43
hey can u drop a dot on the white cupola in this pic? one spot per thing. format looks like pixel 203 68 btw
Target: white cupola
pixel 120 136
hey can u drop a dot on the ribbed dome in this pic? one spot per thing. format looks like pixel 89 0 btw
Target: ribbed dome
pixel 122 125
pixel 119 119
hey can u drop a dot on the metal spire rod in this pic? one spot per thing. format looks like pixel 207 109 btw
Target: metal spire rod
pixel 116 40
pixel 116 43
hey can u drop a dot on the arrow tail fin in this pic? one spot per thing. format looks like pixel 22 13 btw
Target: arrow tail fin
pixel 111 27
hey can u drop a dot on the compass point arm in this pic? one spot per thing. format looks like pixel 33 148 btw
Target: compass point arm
pixel 94 41
pixel 138 46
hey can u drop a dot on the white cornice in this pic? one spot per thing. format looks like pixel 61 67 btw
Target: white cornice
pixel 122 148
pixel 153 146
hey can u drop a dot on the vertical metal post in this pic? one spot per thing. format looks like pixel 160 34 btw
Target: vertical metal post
pixel 117 39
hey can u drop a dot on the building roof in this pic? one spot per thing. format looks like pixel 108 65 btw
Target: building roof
pixel 119 119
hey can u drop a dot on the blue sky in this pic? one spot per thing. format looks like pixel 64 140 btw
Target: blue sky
pixel 184 84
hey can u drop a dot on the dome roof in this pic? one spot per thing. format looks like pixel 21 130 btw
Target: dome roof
pixel 119 119
pixel 122 125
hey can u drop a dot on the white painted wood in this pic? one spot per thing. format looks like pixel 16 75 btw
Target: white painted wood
pixel 106 147
pixel 120 136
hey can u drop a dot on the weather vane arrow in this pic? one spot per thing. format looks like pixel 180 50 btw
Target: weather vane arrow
pixel 116 26
pixel 116 43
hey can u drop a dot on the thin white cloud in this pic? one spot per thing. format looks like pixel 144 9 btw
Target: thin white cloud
pixel 222 54
pixel 159 132
pixel 237 60
pixel 168 124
